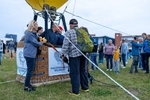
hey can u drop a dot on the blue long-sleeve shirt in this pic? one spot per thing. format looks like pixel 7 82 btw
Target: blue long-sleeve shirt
pixel 52 36
pixel 146 46
pixel 136 48
pixel 30 45
pixel 124 48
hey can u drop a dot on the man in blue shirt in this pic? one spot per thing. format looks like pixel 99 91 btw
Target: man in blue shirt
pixel 52 34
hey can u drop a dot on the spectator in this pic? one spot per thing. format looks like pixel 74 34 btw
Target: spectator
pixel 94 55
pixel 142 51
pixel 140 56
pixel 116 60
pixel 78 71
pixel 101 54
pixel 135 54
pixel 109 51
pixel 120 51
pixel 30 50
pixel 124 50
pixel 146 48
pixel 4 49
pixel 11 48
pixel 1 51
pixel 91 78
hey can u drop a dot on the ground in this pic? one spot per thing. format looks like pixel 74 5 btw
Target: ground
pixel 102 89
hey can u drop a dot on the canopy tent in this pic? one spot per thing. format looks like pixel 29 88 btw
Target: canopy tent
pixel 38 4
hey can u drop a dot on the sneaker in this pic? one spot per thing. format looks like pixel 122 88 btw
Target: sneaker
pixel 73 94
pixel 110 69
pixel 91 79
pixel 87 90
pixel 126 62
pixel 28 89
pixel 123 67
pixel 107 69
pixel 130 72
pixel 32 87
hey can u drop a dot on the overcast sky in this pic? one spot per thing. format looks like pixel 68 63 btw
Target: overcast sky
pixel 129 16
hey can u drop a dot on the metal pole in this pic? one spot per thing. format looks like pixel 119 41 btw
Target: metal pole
pixel 46 25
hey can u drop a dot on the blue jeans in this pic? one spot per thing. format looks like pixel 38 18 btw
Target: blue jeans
pixel 116 66
pixel 109 58
pixel 78 73
pixel 30 69
pixel 123 56
pixel 140 61
pixel 101 57
pixel 1 54
pixel 93 58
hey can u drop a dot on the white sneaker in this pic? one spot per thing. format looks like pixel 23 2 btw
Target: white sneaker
pixel 107 69
pixel 123 67
pixel 126 62
pixel 110 69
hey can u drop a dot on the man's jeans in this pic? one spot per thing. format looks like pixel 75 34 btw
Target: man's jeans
pixel 134 64
pixel 78 73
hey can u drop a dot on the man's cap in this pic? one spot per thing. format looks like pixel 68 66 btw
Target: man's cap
pixel 73 21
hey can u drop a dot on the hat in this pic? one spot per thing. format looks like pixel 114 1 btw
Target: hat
pixel 60 28
pixel 73 21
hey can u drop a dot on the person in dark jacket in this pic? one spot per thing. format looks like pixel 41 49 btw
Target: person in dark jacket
pixel 146 48
pixel 101 53
pixel 30 50
pixel 4 48
pixel 135 53
pixel 52 34
pixel 142 52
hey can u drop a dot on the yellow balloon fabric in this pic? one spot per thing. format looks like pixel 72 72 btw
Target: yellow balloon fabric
pixel 38 4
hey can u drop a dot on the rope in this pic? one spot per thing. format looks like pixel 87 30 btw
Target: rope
pixel 7 81
pixel 95 64
pixel 74 8
pixel 97 23
pixel 66 7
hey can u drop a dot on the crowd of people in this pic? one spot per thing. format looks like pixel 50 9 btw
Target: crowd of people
pixel 11 48
pixel 139 52
pixel 78 64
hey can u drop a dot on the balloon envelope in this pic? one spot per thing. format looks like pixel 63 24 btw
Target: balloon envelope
pixel 38 4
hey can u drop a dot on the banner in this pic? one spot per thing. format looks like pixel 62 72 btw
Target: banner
pixel 21 62
pixel 56 65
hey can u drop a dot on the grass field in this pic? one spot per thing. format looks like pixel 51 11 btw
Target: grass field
pixel 138 84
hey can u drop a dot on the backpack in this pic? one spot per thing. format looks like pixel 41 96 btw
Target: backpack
pixel 84 42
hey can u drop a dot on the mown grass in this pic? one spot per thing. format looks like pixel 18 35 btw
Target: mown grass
pixel 138 84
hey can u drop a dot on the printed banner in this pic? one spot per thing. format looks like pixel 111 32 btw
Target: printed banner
pixel 56 65
pixel 21 62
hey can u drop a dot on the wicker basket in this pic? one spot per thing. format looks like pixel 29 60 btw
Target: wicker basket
pixel 40 75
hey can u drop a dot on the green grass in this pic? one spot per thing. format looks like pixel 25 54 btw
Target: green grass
pixel 138 84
